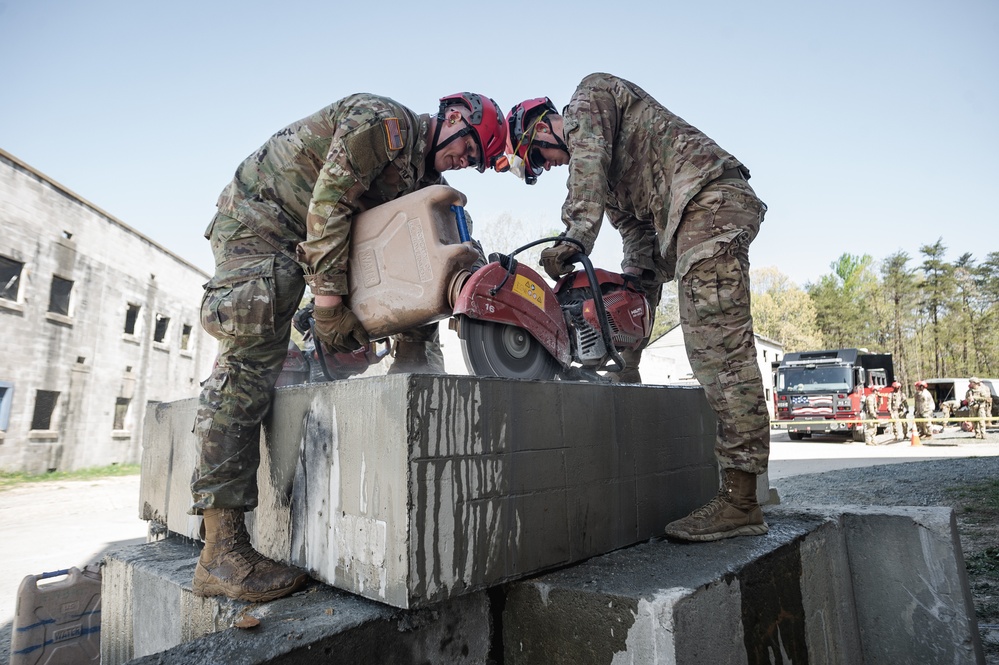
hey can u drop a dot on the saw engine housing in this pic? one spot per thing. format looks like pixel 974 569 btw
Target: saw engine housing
pixel 628 314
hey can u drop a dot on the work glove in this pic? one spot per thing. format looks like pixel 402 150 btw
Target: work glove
pixel 555 259
pixel 339 329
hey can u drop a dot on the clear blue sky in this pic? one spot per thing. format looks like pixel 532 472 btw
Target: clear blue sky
pixel 869 127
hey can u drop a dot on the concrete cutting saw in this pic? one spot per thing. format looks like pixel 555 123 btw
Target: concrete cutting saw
pixel 512 324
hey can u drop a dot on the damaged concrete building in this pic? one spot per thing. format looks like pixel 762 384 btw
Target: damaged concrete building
pixel 97 320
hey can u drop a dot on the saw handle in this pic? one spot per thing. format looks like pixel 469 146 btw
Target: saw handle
pixel 598 302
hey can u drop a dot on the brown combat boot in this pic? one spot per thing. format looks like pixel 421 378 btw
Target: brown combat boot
pixel 229 566
pixel 733 512
pixel 413 357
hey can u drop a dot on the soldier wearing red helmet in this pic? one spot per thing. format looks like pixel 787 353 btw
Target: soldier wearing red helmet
pixel 685 211
pixel 482 121
pixel 283 223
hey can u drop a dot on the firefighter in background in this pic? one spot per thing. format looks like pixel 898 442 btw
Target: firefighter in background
pixel 284 222
pixel 923 410
pixel 898 405
pixel 685 211
pixel 980 401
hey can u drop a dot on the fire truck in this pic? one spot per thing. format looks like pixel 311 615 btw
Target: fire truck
pixel 817 391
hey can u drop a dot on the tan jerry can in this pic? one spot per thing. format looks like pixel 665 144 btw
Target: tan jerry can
pixel 58 623
pixel 407 261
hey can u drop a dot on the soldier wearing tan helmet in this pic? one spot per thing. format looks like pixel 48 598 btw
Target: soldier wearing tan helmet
pixel 898 405
pixel 923 409
pixel 980 403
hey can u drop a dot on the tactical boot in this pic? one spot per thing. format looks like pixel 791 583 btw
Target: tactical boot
pixel 413 357
pixel 229 566
pixel 733 512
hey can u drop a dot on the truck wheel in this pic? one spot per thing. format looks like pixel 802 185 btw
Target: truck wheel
pixel 858 433
pixel 795 436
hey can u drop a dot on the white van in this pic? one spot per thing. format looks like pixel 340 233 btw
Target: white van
pixel 956 388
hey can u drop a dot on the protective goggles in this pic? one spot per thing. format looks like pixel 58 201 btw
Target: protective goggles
pixel 530 168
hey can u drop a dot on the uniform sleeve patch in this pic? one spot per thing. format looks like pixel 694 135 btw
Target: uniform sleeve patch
pixel 392 134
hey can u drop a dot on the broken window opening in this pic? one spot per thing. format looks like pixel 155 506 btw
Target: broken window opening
pixel 45 403
pixel 120 412
pixel 131 317
pixel 185 336
pixel 59 295
pixel 162 323
pixel 10 278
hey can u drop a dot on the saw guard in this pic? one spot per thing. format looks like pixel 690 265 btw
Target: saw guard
pixel 525 300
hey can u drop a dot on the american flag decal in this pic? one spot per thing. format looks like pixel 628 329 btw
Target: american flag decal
pixel 812 405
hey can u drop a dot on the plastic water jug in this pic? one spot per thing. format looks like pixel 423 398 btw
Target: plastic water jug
pixel 408 260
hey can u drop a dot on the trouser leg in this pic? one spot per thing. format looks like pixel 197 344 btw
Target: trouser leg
pixel 714 299
pixel 248 307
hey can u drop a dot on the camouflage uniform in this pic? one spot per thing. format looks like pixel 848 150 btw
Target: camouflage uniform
pixel 899 406
pixel 685 211
pixel 923 409
pixel 980 401
pixel 949 408
pixel 870 415
pixel 284 222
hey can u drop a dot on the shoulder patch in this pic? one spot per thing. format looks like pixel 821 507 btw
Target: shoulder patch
pixel 393 136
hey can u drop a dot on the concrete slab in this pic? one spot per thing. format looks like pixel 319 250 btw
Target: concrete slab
pixel 412 489
pixel 837 585
pixel 151 617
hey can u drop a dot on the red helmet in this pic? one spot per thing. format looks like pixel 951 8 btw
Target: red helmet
pixel 486 126
pixel 522 135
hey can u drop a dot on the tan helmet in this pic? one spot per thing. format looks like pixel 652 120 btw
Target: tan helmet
pixel 974 379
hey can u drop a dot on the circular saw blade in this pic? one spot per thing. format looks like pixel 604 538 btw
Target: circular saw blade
pixel 498 349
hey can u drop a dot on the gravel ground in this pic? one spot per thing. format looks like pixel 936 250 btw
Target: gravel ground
pixel 932 483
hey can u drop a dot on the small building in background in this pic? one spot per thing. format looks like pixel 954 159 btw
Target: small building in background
pixel 97 320
pixel 665 361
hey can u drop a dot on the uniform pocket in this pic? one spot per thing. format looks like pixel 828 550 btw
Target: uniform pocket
pixel 239 299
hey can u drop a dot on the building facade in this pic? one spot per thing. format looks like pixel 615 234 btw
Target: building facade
pixel 97 321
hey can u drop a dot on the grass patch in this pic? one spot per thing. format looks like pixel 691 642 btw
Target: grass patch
pixel 978 498
pixel 13 479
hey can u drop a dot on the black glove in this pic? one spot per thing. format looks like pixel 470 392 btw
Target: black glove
pixel 555 259
pixel 339 329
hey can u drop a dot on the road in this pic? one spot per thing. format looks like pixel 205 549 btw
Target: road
pixel 55 525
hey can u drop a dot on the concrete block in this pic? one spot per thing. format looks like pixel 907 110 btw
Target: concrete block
pixel 154 618
pixel 411 489
pixel 826 585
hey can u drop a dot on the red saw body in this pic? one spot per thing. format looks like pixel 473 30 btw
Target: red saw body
pixel 513 325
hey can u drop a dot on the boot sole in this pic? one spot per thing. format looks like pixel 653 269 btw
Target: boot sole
pixel 745 530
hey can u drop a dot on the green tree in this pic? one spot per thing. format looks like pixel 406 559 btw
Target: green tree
pixel 938 289
pixel 898 288
pixel 782 311
pixel 843 302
